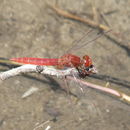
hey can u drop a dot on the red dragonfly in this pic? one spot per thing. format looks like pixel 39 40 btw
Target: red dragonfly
pixel 84 65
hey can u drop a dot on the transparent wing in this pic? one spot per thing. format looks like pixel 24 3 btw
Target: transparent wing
pixel 88 38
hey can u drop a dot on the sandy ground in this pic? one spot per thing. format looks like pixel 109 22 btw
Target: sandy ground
pixel 30 28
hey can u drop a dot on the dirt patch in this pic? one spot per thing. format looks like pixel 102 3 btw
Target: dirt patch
pixel 30 28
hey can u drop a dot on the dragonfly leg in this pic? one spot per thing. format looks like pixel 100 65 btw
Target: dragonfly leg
pixel 80 85
pixel 39 68
pixel 66 88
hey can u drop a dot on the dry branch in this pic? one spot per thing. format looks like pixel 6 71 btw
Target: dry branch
pixel 37 69
pixel 115 37
pixel 77 18
pixel 69 72
pixel 121 95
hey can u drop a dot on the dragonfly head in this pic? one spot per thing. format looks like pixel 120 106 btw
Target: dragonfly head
pixel 87 67
pixel 87 61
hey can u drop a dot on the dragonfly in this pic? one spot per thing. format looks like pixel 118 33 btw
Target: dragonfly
pixel 83 65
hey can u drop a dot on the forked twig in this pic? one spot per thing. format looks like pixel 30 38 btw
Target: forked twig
pixel 74 17
pixel 115 37
pixel 28 68
pixel 69 72
pixel 121 95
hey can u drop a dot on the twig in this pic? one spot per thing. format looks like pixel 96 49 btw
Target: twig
pixel 107 78
pixel 95 15
pixel 41 125
pixel 38 69
pixel 111 79
pixel 115 37
pixel 74 17
pixel 69 72
pixel 29 92
pixel 121 95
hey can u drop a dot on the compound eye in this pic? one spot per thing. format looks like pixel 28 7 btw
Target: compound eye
pixel 87 69
pixel 87 60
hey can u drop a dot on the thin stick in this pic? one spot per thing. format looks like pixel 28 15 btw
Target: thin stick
pixel 37 69
pixel 69 72
pixel 121 95
pixel 115 37
pixel 74 17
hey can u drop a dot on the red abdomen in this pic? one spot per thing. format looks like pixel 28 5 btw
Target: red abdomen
pixel 36 61
pixel 67 60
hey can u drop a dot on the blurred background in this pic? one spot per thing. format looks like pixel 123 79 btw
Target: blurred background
pixel 31 28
